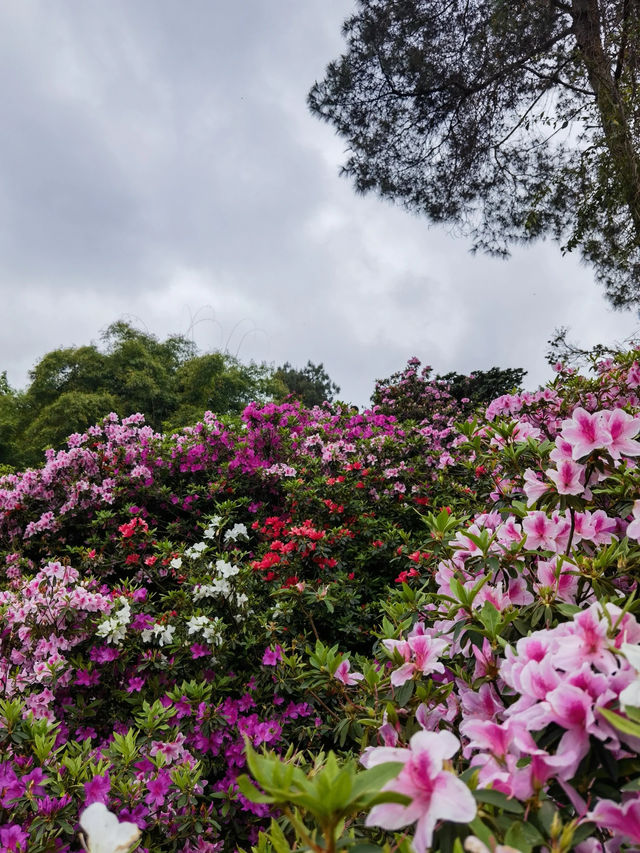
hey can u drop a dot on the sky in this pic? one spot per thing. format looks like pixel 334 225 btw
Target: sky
pixel 158 164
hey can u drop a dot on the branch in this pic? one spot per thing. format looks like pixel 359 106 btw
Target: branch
pixel 626 12
pixel 479 86
pixel 554 78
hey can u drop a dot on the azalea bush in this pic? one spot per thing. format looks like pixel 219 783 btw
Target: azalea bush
pixel 324 628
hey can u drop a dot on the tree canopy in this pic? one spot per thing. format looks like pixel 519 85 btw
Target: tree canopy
pixel 507 119
pixel 414 394
pixel 312 385
pixel 172 385
pixel 72 388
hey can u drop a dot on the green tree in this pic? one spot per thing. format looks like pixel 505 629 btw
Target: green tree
pixel 312 385
pixel 81 369
pixel 414 394
pixel 73 387
pixel 141 371
pixel 218 382
pixel 9 425
pixel 167 381
pixel 482 386
pixel 72 411
pixel 508 119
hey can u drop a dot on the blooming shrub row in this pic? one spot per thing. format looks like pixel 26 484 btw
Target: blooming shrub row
pixel 449 602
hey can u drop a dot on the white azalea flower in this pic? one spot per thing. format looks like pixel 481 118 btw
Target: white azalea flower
pixel 236 531
pixel 195 550
pixel 631 694
pixel 166 635
pixel 114 629
pixel 197 623
pixel 202 590
pixel 226 569
pixel 213 527
pixel 221 587
pixel 103 831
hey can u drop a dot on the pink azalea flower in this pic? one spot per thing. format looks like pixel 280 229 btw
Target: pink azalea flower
pixel 622 428
pixel 568 477
pixel 560 580
pixel 620 819
pixel 571 707
pixel 597 527
pixel 585 432
pixel 436 793
pixel 633 530
pixel 533 487
pixel 541 531
pixel 510 531
pixel 562 450
pixel 586 641
pixel 486 735
pixel 349 678
pixel 633 376
pixel 483 703
pixel 421 653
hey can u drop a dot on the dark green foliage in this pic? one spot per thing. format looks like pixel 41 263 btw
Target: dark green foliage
pixel 220 383
pixel 413 394
pixel 508 120
pixel 483 386
pixel 311 385
pixel 72 411
pixel 9 424
pixel 167 381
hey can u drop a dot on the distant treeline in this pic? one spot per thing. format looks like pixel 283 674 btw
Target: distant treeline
pixel 172 384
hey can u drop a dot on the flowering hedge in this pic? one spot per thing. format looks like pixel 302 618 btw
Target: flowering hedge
pixel 430 626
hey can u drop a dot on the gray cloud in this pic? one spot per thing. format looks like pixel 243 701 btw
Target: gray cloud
pixel 157 157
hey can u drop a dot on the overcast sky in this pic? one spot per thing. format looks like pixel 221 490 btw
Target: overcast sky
pixel 158 163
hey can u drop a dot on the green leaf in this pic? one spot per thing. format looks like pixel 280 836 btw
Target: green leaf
pixel 277 838
pixel 251 792
pixel 490 618
pixel 375 777
pixel 523 836
pixel 482 831
pixel 498 799
pixel 386 797
pixel 568 610
pixel 622 724
pixel 404 693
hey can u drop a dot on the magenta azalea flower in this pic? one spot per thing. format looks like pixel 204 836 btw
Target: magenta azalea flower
pixel 97 789
pixel 157 789
pixel 13 837
pixel 436 793
pixel 271 657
